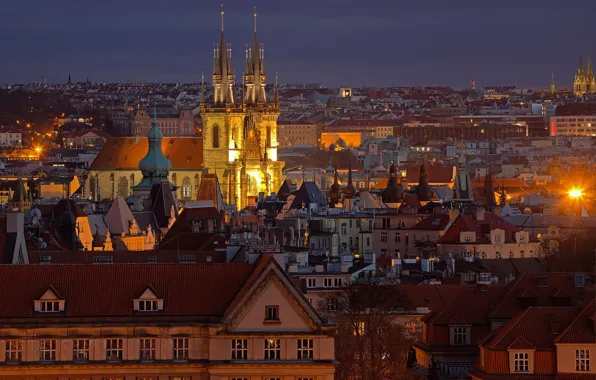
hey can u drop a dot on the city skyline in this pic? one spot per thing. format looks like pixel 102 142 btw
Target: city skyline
pixel 335 43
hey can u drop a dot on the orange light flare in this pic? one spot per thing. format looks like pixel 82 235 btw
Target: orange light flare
pixel 575 193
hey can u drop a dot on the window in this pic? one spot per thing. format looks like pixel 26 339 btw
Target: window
pixel 80 349
pixel 383 237
pixel 148 305
pixel 582 360
pixel 49 306
pixel 460 335
pixel 272 313
pixel 327 282
pixel 305 349
pixel 272 349
pixel 186 188
pixel 239 349
pixel 215 136
pixel 180 347
pixel 359 329
pixel 113 349
pixel 147 349
pixel 521 362
pixel 239 378
pixel 311 283
pixel 331 304
pixel 337 282
pixel 47 350
pixel 14 350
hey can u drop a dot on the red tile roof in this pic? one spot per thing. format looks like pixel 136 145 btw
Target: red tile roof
pixel 539 288
pixel 199 290
pixel 433 222
pixel 123 153
pixel 483 297
pixel 536 327
pixel 434 297
pixel 581 329
pixel 482 228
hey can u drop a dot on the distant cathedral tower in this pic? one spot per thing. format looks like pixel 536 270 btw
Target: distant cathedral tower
pixel 240 137
pixel 584 79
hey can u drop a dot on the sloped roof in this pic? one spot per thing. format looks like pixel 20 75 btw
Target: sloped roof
pixel 541 287
pixel 469 223
pixel 178 284
pixel 123 153
pixel 119 216
pixel 483 297
pixel 308 193
pixel 536 327
pixel 209 190
pixel 581 329
pixel 433 222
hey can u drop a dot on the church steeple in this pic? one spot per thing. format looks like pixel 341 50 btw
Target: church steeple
pixel 335 190
pixel 489 191
pixel 580 66
pixel 255 71
pixel 349 190
pixel 155 166
pixel 223 74
pixel 553 89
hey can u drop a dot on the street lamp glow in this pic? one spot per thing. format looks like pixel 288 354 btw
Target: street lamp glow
pixel 38 149
pixel 575 193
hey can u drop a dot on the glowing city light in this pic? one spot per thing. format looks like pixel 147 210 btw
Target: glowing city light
pixel 575 193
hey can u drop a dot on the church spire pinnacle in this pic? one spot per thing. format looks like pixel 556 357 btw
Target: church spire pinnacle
pixel 552 85
pixel 255 19
pixel 222 18
pixel 202 88
pixel 580 66
pixel 223 74
pixel 276 90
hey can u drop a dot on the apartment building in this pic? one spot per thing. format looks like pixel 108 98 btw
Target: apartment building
pixel 294 133
pixel 160 321
pixel 573 126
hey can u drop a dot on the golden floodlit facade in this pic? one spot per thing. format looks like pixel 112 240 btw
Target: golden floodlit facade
pixel 240 139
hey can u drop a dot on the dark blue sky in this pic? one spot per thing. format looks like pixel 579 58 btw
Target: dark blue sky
pixel 349 42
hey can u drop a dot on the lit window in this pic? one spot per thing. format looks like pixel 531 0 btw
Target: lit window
pixel 14 350
pixel 113 349
pixel 582 360
pixel 521 362
pixel 359 329
pixel 305 349
pixel 49 306
pixel 147 349
pixel 180 347
pixel 272 349
pixel 239 349
pixel 80 349
pixel 47 350
pixel 460 335
pixel 272 313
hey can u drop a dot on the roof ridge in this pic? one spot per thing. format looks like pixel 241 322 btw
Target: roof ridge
pixel 513 286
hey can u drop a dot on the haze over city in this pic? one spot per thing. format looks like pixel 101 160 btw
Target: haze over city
pixel 380 43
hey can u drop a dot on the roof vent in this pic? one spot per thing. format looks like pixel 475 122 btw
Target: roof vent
pixel 103 259
pixel 188 259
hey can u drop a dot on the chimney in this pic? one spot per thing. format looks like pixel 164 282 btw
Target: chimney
pixel 480 214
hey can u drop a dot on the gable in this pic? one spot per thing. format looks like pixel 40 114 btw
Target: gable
pixel 49 295
pixel 292 317
pixel 149 294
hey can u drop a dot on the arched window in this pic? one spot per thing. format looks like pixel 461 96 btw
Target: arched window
pixel 123 187
pixel 132 179
pixel 186 188
pixel 215 136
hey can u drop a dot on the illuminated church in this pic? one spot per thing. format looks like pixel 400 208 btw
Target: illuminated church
pixel 239 142
pixel 240 136
pixel 584 79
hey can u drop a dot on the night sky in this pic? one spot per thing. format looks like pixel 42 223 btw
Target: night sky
pixel 335 42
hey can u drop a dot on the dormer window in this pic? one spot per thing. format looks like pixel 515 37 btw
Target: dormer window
pixel 49 302
pixel 148 301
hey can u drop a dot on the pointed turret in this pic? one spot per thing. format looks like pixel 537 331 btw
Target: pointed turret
pixel 69 79
pixel 255 71
pixel 223 76
pixel 423 191
pixel 349 190
pixel 580 66
pixel 20 201
pixel 489 191
pixel 335 190
pixel 553 89
pixel 393 193
pixel 155 166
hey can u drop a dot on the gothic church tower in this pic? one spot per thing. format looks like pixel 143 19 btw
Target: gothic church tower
pixel 240 140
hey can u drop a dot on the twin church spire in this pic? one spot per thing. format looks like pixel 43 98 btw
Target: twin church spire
pixel 254 80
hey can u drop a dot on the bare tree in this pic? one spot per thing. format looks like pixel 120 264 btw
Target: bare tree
pixel 371 341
